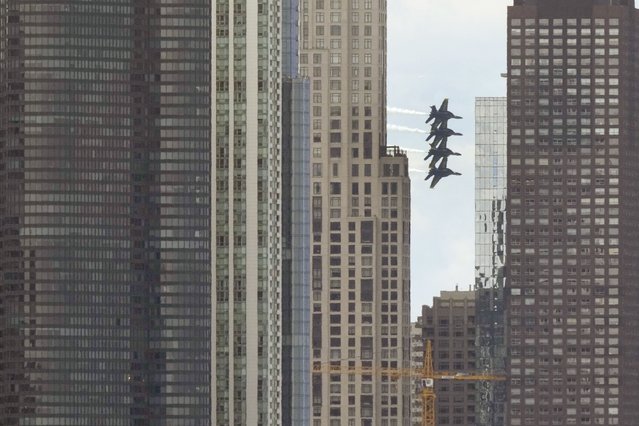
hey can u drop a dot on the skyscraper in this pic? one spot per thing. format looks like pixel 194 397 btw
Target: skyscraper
pixel 111 295
pixel 104 213
pixel 360 217
pixel 572 301
pixel 246 222
pixel 490 233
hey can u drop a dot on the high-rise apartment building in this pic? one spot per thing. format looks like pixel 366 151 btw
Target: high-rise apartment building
pixel 490 236
pixel 246 218
pixel 104 213
pixel 360 218
pixel 450 326
pixel 572 302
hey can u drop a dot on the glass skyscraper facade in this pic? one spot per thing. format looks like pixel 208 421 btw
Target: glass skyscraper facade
pixel 296 228
pixel 490 235
pixel 104 206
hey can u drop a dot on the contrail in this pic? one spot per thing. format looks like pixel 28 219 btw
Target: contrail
pixel 405 129
pixel 412 150
pixel 395 110
pixel 417 171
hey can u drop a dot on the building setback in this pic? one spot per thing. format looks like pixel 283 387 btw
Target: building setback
pixel 360 218
pixel 104 213
pixel 490 233
pixel 450 326
pixel 572 302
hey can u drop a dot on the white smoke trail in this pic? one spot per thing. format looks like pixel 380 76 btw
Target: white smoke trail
pixel 405 129
pixel 412 150
pixel 395 110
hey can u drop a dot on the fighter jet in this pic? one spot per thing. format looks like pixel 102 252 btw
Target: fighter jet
pixel 438 153
pixel 439 172
pixel 442 115
pixel 440 133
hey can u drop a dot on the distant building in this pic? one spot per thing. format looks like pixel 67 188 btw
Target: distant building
pixel 572 300
pixel 450 325
pixel 416 363
pixel 490 240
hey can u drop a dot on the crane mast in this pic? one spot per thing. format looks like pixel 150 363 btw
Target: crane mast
pixel 428 391
pixel 426 374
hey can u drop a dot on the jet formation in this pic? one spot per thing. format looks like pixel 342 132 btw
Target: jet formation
pixel 440 133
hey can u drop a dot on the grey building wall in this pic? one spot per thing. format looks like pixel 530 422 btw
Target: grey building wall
pixel 104 201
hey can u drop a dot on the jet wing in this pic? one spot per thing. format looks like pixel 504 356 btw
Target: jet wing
pixel 439 148
pixel 434 182
pixel 435 143
pixel 438 140
pixel 444 106
pixel 444 164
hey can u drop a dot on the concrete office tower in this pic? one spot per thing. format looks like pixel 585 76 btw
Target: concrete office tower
pixel 246 236
pixel 104 213
pixel 296 228
pixel 572 238
pixel 360 218
pixel 450 325
pixel 490 235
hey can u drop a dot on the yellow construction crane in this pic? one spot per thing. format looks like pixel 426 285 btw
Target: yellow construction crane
pixel 427 374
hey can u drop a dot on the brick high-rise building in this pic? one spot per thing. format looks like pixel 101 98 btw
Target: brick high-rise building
pixel 572 300
pixel 360 217
pixel 450 326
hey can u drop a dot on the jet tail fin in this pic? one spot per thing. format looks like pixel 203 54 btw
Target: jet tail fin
pixel 433 111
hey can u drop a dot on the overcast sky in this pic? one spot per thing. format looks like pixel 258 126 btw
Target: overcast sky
pixel 438 49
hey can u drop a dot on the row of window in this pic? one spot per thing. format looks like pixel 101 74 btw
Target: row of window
pixel 570 22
